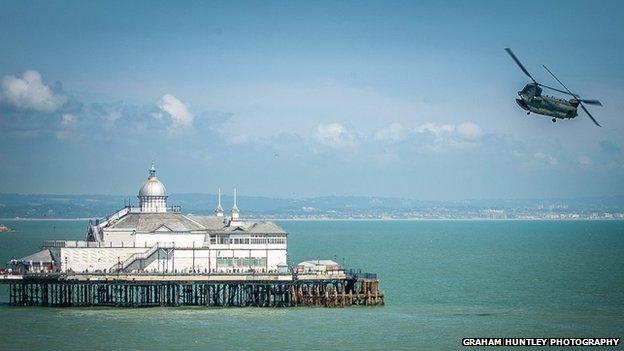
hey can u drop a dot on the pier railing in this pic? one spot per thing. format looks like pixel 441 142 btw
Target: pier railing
pixel 84 243
pixel 74 243
pixel 358 274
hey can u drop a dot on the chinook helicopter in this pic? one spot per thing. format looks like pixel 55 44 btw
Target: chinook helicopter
pixel 532 100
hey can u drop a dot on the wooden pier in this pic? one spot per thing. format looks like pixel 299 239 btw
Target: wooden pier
pixel 192 290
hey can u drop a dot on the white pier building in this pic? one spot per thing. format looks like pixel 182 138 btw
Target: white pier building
pixel 156 238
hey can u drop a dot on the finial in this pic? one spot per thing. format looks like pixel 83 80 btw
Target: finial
pixel 235 208
pixel 152 170
pixel 219 209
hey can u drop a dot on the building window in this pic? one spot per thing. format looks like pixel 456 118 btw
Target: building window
pixel 241 262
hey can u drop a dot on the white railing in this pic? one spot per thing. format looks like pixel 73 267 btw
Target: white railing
pixel 142 255
pixel 111 245
pixel 74 243
pixel 131 209
pixel 115 216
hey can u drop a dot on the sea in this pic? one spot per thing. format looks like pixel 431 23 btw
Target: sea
pixel 443 281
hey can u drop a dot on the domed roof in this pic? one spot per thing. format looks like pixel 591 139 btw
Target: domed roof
pixel 152 186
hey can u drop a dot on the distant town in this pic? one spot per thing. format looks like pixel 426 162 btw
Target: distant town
pixel 324 208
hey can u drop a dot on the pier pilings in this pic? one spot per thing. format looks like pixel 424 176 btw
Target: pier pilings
pixel 58 292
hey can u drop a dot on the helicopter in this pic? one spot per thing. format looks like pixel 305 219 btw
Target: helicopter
pixel 532 100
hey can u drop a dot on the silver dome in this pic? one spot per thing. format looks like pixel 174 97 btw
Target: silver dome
pixel 153 187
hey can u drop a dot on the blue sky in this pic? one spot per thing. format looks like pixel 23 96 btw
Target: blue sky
pixel 412 99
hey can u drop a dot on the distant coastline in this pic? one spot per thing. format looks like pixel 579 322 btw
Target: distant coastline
pixel 85 207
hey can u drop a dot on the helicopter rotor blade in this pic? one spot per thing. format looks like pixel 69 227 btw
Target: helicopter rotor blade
pixel 563 85
pixel 520 64
pixel 592 102
pixel 555 89
pixel 590 116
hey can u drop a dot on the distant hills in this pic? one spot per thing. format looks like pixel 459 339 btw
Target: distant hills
pixel 328 207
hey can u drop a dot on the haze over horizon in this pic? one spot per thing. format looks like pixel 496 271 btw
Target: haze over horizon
pixel 302 100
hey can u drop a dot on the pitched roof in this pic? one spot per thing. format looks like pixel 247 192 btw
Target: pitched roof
pixel 41 256
pixel 178 222
pixel 255 228
pixel 266 227
pixel 149 222
pixel 209 222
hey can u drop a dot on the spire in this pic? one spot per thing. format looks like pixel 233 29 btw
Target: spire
pixel 219 209
pixel 235 212
pixel 152 171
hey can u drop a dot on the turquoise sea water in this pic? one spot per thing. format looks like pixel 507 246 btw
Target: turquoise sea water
pixel 443 280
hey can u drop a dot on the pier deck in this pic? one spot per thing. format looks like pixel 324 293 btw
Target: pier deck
pixel 218 290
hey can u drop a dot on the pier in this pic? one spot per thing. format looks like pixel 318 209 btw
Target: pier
pixel 155 255
pixel 210 290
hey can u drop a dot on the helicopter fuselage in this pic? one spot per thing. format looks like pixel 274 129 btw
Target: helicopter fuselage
pixel 532 100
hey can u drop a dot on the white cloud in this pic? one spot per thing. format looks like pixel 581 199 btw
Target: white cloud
pixel 334 134
pixel 469 131
pixel 585 161
pixel 175 109
pixel 438 130
pixel 391 133
pixel 68 124
pixel 464 135
pixel 67 119
pixel 28 92
pixel 546 158
pixel 110 118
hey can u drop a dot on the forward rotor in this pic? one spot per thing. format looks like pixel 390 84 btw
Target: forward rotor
pixel 513 56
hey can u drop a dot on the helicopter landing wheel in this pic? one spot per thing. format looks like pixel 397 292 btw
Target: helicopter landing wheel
pixel 554 120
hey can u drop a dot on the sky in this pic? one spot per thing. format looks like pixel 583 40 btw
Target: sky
pixel 300 99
